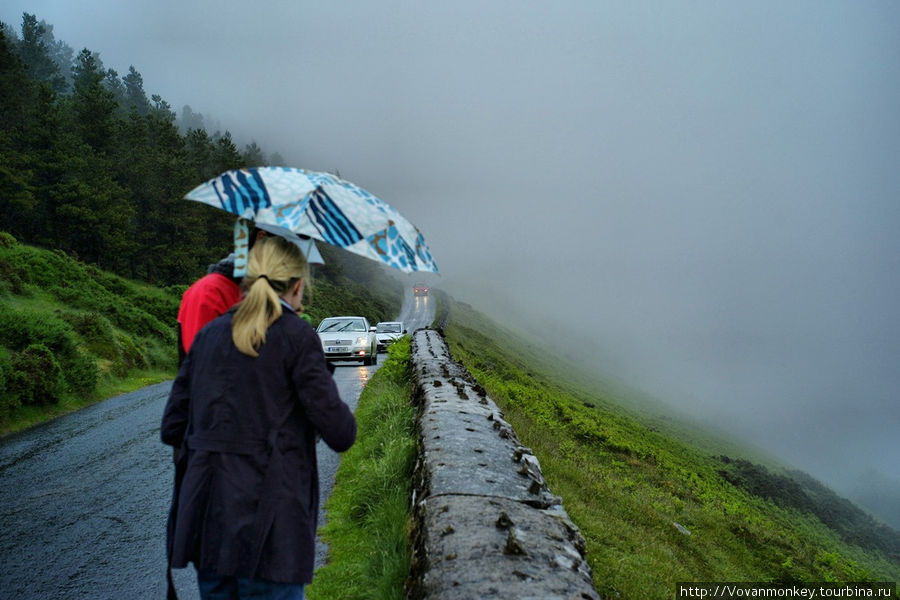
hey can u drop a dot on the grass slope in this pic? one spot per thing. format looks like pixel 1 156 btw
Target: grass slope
pixel 636 484
pixel 71 334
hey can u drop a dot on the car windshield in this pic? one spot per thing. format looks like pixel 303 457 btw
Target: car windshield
pixel 334 325
pixel 388 328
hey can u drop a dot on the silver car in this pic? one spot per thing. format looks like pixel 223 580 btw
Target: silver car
pixel 388 332
pixel 348 338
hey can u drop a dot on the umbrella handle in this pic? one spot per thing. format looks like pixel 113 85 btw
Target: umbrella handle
pixel 241 247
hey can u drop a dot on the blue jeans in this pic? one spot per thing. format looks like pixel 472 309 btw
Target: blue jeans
pixel 214 587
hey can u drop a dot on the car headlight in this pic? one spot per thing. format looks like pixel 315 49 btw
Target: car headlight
pixel 361 341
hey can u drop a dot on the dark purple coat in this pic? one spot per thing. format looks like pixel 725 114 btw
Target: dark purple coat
pixel 247 490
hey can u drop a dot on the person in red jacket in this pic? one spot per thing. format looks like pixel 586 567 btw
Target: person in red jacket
pixel 207 298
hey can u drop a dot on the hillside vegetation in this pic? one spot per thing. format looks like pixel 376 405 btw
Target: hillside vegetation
pixel 72 334
pixel 655 505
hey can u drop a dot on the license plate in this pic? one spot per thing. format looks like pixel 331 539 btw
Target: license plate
pixel 337 349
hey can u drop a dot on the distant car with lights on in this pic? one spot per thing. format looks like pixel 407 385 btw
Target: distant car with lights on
pixel 388 332
pixel 420 289
pixel 348 338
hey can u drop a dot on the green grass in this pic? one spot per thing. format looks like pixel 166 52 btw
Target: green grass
pixel 368 512
pixel 626 480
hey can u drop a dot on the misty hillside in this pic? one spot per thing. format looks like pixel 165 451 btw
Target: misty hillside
pixel 655 501
pixel 872 491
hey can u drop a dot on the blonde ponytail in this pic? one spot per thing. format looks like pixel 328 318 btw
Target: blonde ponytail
pixel 273 267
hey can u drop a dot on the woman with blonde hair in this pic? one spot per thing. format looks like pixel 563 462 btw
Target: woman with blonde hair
pixel 250 398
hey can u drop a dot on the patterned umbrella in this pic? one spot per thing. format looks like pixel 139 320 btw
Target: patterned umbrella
pixel 319 205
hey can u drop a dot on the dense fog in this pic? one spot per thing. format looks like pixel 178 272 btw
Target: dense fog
pixel 701 199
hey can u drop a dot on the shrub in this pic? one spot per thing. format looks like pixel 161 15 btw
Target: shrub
pixel 10 278
pixel 163 307
pixel 132 356
pixel 397 368
pixel 160 354
pixel 7 240
pixel 82 374
pixel 29 333
pixel 159 304
pixel 68 295
pixel 22 328
pixel 114 284
pixel 36 376
pixel 141 323
pixel 176 291
pixel 8 400
pixel 97 332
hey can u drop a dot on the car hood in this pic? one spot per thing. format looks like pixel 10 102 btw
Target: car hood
pixel 341 337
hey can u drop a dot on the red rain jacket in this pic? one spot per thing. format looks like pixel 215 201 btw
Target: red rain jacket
pixel 207 298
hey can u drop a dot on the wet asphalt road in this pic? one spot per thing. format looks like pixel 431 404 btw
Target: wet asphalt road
pixel 84 499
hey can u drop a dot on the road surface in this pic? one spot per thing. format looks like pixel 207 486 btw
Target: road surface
pixel 417 311
pixel 84 499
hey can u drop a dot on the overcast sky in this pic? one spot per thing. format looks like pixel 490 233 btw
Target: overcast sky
pixel 708 192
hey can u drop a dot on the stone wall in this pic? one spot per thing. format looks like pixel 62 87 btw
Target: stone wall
pixel 487 526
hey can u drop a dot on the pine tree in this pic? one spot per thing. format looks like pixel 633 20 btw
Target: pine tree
pixel 136 98
pixel 34 52
pixel 93 105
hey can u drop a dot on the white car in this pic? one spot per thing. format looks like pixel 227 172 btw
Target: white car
pixel 388 332
pixel 348 338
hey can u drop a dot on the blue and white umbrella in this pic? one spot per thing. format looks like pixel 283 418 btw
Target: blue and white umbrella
pixel 319 205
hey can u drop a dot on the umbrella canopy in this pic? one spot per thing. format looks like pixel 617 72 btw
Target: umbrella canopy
pixel 321 206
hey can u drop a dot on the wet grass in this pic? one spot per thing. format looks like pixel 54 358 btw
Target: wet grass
pixel 72 335
pixel 368 512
